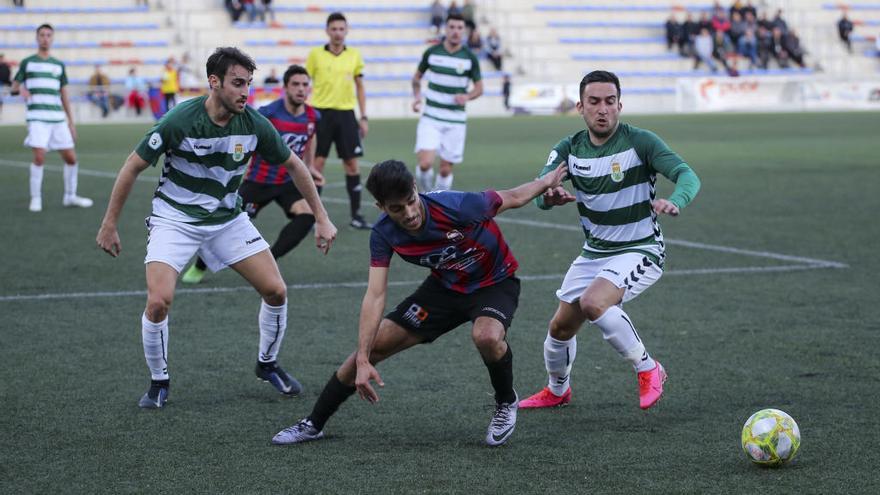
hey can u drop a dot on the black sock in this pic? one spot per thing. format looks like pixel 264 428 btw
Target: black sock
pixel 200 263
pixel 353 186
pixel 501 374
pixel 292 234
pixel 333 395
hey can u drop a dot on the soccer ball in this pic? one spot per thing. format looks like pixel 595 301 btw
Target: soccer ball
pixel 770 437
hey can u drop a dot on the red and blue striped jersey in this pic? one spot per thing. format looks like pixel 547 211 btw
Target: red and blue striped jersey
pixel 459 241
pixel 296 131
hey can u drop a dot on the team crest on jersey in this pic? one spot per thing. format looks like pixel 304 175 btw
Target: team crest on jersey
pixel 454 235
pixel 459 68
pixel 616 172
pixel 238 152
pixel 310 128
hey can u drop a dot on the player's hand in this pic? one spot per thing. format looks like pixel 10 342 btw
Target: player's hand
pixel 108 240
pixel 72 130
pixel 557 196
pixel 461 99
pixel 25 94
pixel 417 105
pixel 366 372
pixel 554 179
pixel 364 127
pixel 664 206
pixel 317 176
pixel 325 234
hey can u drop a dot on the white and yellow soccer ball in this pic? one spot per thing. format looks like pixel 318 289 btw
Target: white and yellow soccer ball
pixel 771 437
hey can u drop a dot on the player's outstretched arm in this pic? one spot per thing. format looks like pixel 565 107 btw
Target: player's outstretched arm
pixel 108 235
pixel 368 326
pixel 325 231
pixel 520 195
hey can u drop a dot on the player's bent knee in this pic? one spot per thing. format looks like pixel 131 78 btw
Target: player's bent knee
pixel 157 308
pixel 275 295
pixel 487 338
pixel 593 309
pixel 561 330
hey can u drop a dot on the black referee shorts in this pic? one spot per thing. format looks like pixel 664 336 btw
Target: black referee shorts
pixel 340 127
pixel 433 310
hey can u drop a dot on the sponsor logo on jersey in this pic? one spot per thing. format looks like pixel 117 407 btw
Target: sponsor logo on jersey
pixel 255 239
pixel 616 172
pixel 454 235
pixel 238 152
pixel 155 141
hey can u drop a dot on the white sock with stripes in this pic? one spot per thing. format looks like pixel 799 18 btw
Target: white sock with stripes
pixel 558 357
pixel 70 174
pixel 273 323
pixel 36 181
pixel 155 338
pixel 619 331
pixel 443 183
pixel 425 179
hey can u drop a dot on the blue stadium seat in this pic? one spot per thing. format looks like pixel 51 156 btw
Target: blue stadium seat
pixel 90 44
pixel 625 56
pixel 84 27
pixel 619 8
pixel 322 25
pixel 855 6
pixel 607 41
pixel 72 10
pixel 390 42
pixel 604 24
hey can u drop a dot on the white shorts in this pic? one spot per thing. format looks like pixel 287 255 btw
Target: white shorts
pixel 174 243
pixel 49 136
pixel 445 137
pixel 632 271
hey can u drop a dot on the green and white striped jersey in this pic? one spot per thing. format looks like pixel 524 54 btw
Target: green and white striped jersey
pixel 448 74
pixel 204 163
pixel 614 186
pixel 43 78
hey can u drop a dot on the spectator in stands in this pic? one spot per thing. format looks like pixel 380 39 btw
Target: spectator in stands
pixel 438 14
pixel 5 79
pixel 737 28
pixel 475 42
pixel 777 49
pixel 689 30
pixel 704 23
pixel 170 83
pixel 845 29
pixel 18 3
pixel 251 10
pixel 493 48
pixel 453 9
pixel 235 9
pixel 271 80
pixel 748 47
pixel 136 88
pixel 505 91
pixel 737 8
pixel 749 9
pixel 703 48
pixel 673 32
pixel 142 3
pixel 724 52
pixel 791 43
pixel 99 90
pixel 765 23
pixel 779 22
pixel 266 8
pixel 720 22
pixel 185 74
pixel 469 12
pixel 765 46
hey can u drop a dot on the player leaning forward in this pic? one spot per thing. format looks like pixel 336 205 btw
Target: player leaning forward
pixel 613 170
pixel 472 279
pixel 207 143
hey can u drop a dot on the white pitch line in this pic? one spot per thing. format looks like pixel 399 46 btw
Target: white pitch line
pixel 357 285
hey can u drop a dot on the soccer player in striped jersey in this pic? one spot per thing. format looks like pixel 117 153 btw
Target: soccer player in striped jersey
pixel 207 143
pixel 613 168
pixel 449 68
pixel 472 279
pixel 264 182
pixel 42 82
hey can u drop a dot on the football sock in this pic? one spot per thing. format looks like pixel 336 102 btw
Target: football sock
pixel 273 323
pixel 333 395
pixel 36 181
pixel 155 339
pixel 70 175
pixel 443 183
pixel 558 358
pixel 619 331
pixel 353 186
pixel 424 179
pixel 200 263
pixel 292 233
pixel 501 375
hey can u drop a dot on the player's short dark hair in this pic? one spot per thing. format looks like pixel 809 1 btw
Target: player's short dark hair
pixel 600 76
pixel 390 180
pixel 225 57
pixel 45 26
pixel 294 70
pixel 336 16
pixel 455 17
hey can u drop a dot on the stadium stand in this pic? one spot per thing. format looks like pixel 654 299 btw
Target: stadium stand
pixel 547 41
